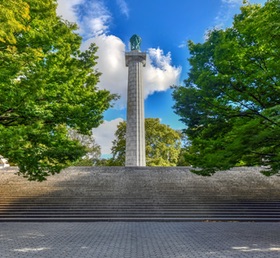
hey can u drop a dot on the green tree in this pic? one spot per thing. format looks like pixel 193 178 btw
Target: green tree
pixel 102 162
pixel 93 150
pixel 182 160
pixel 163 144
pixel 47 85
pixel 231 98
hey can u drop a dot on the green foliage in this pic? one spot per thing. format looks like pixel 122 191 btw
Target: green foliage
pixel 182 159
pixel 84 162
pixel 118 148
pixel 47 85
pixel 93 150
pixel 102 162
pixel 163 144
pixel 231 99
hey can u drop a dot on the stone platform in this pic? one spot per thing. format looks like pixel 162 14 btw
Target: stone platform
pixel 141 194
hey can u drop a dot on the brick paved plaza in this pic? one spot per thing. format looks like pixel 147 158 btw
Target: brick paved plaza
pixel 140 239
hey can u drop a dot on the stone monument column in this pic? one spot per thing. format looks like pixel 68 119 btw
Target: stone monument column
pixel 135 128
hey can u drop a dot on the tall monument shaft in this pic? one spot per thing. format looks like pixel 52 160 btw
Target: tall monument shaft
pixel 135 130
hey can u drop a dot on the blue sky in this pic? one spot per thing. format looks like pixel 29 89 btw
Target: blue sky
pixel 164 26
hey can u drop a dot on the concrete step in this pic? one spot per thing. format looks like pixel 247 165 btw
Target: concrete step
pixel 140 219
pixel 205 214
pixel 156 194
pixel 134 204
pixel 275 205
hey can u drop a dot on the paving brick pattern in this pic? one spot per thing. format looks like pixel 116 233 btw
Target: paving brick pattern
pixel 139 240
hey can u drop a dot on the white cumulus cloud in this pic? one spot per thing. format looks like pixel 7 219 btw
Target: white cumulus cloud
pixel 159 73
pixel 105 134
pixel 111 63
pixel 92 17
pixel 65 9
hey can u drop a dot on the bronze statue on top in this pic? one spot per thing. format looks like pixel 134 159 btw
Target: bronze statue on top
pixel 135 42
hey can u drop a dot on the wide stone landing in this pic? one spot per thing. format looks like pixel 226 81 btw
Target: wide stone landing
pixel 140 194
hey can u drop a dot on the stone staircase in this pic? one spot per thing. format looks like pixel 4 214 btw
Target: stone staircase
pixel 140 194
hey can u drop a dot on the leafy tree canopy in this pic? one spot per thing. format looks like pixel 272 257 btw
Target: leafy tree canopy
pixel 47 85
pixel 163 144
pixel 93 150
pixel 231 99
